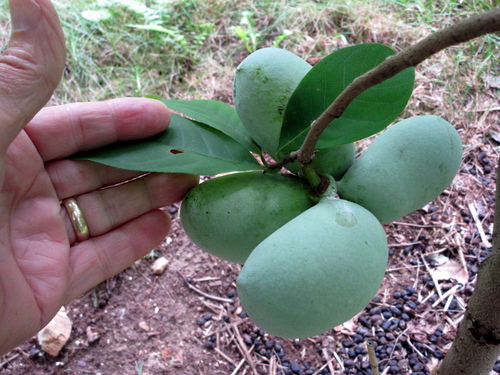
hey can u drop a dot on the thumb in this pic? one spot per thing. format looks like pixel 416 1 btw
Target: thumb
pixel 31 66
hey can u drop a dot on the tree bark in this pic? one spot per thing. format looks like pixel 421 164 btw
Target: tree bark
pixel 477 344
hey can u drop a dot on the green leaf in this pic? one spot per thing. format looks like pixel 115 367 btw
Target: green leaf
pixel 186 147
pixel 369 113
pixel 216 114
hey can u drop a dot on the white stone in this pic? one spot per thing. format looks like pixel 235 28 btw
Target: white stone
pixel 56 334
pixel 144 326
pixel 159 265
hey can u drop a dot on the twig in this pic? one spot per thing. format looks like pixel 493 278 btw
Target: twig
pixel 448 303
pixel 282 163
pixel 446 295
pixel 328 361
pixel 238 367
pixel 208 278
pixel 462 31
pixel 8 360
pixel 416 225
pixel 272 365
pixel 479 227
pixel 404 244
pixel 226 357
pixel 204 294
pixel 463 262
pixel 415 349
pixel 244 351
pixel 433 277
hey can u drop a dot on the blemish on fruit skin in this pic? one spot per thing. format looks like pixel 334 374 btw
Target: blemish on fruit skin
pixel 346 219
pixel 258 74
pixel 443 168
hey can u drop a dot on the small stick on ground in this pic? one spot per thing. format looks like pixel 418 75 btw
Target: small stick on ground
pixel 240 344
pixel 446 295
pixel 329 361
pixel 8 360
pixel 238 367
pixel 433 277
pixel 479 227
pixel 204 294
pixel 225 356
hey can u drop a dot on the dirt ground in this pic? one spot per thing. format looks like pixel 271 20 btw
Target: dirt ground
pixel 188 321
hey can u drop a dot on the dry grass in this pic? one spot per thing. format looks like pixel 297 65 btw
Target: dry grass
pixel 110 57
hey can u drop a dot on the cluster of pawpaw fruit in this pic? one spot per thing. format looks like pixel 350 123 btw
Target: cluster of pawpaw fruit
pixel 309 263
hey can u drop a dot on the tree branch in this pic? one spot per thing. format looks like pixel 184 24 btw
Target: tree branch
pixel 462 31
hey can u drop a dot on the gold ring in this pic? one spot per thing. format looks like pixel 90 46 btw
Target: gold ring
pixel 77 220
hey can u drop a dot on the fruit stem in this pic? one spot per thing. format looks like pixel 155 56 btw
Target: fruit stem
pixel 311 175
pixel 327 188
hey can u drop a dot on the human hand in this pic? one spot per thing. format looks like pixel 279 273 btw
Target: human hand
pixel 43 266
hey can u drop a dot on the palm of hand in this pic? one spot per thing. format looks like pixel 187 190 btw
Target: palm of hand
pixel 41 268
pixel 33 239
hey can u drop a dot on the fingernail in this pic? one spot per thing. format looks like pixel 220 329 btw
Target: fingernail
pixel 25 14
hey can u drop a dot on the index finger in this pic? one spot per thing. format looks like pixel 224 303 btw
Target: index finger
pixel 61 131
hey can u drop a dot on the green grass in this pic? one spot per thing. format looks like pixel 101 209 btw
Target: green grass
pixel 190 48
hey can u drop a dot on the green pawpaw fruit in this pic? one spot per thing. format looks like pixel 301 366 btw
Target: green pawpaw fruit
pixel 315 272
pixel 229 216
pixel 334 161
pixel 405 168
pixel 263 84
